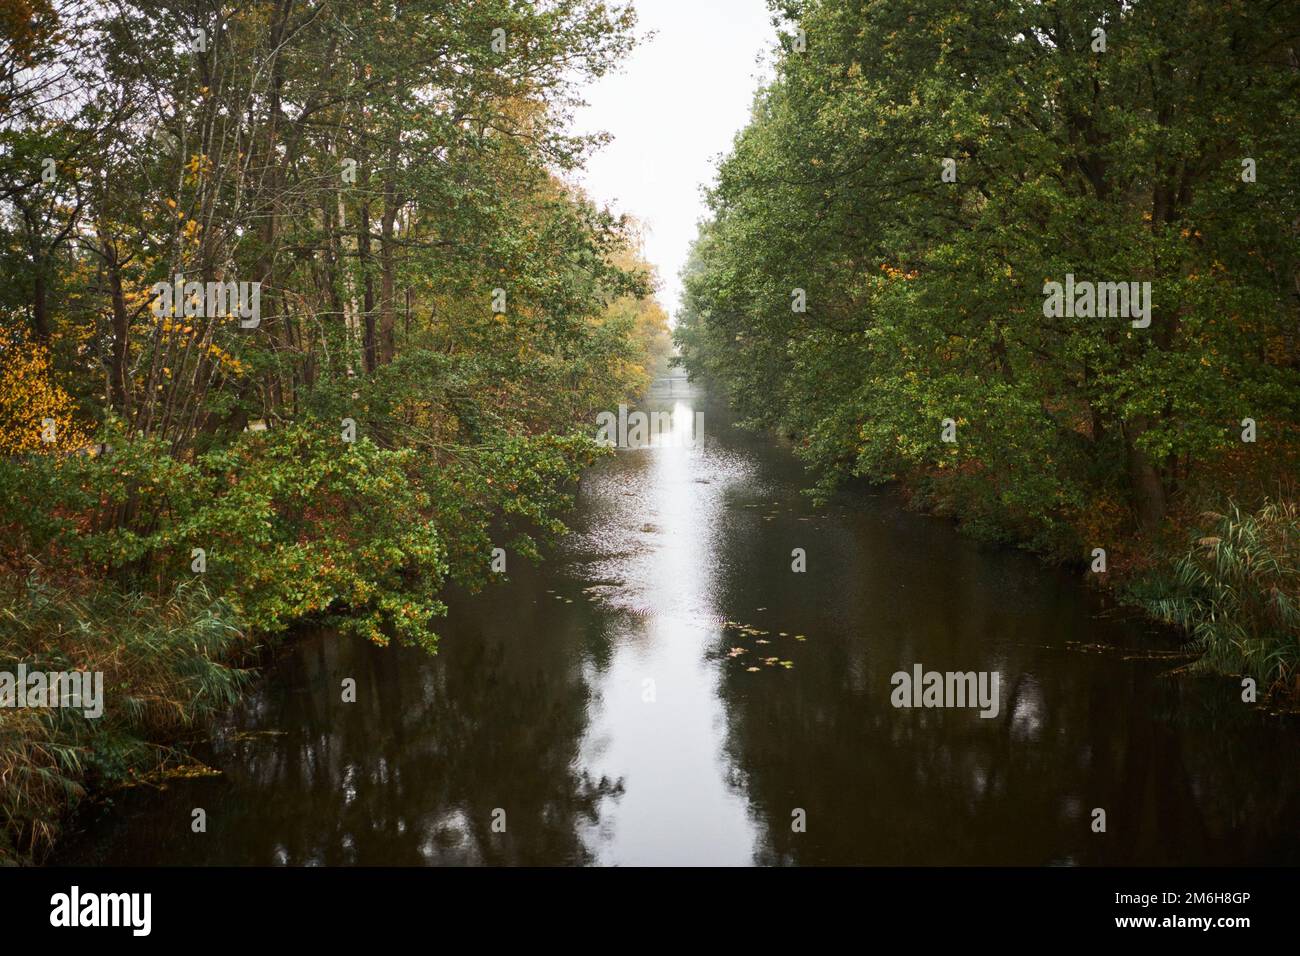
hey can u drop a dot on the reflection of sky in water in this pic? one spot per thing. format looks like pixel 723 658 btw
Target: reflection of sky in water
pixel 666 752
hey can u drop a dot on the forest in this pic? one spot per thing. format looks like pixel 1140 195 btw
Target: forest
pixel 1038 266
pixel 423 318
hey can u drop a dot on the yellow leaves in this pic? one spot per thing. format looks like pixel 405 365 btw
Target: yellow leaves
pixel 175 327
pixel 200 163
pixel 226 360
pixel 33 407
pixel 137 298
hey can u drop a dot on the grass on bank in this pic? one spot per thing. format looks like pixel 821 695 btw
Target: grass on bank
pixel 163 660
pixel 1236 593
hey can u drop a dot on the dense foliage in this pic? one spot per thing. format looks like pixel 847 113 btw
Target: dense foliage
pixel 1146 142
pixel 439 317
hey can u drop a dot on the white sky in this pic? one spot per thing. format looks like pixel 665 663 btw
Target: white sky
pixel 672 109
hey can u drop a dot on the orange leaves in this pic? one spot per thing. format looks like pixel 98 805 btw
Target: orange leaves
pixel 893 273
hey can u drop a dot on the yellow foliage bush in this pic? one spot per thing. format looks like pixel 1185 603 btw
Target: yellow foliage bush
pixel 36 414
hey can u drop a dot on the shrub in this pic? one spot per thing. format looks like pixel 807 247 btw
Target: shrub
pixel 1237 593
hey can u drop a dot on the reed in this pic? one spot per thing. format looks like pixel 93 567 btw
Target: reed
pixel 1237 593
pixel 166 670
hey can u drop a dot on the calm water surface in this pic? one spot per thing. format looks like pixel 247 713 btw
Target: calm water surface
pixel 595 700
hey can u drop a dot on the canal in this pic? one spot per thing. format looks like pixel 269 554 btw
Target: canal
pixel 665 689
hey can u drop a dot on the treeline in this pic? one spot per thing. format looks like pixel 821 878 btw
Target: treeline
pixel 395 324
pixel 875 281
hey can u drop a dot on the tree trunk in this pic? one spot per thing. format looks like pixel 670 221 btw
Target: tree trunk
pixel 388 260
pixel 368 296
pixel 1148 488
pixel 118 383
pixel 40 307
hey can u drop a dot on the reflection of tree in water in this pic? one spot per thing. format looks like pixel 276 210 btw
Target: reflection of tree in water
pixel 412 771
pixel 931 786
pixel 889 786
pixel 1213 728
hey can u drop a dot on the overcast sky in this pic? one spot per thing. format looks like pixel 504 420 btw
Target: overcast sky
pixel 673 108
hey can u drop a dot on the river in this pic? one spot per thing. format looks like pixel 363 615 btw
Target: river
pixel 665 689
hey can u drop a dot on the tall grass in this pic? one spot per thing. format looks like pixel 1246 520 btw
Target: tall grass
pixel 1237 593
pixel 164 673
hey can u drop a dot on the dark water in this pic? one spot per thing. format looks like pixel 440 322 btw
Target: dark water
pixel 538 705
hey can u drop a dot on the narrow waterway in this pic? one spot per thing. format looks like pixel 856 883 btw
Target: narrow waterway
pixel 665 689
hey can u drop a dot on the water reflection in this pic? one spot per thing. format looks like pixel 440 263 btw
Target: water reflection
pixel 650 531
pixel 598 700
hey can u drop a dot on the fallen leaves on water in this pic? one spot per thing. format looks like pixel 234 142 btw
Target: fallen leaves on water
pixel 158 778
pixel 190 772
pixel 746 630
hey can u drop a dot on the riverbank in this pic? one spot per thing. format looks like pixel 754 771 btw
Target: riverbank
pixel 286 347
pixel 1221 571
pixel 165 574
pixel 881 276
pixel 374 569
